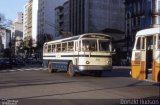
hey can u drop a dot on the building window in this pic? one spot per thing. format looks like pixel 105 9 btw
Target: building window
pixel 139 21
pixel 134 22
pixel 139 7
pixel 134 8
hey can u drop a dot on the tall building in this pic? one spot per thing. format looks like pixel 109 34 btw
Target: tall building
pixel 17 28
pixel 59 20
pixel 39 19
pixel 17 32
pixel 140 14
pixel 87 16
pixel 62 19
pixel 5 37
pixel 27 21
pixel 95 15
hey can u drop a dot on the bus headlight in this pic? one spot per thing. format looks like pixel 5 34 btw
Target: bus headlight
pixel 108 62
pixel 87 62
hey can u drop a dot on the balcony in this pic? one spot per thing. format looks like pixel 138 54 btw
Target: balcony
pixel 155 7
pixel 155 12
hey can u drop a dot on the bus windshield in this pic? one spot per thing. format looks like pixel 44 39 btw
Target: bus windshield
pixel 104 45
pixel 89 45
pixel 92 45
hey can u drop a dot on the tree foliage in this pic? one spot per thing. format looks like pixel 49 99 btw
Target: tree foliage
pixel 42 38
pixel 27 42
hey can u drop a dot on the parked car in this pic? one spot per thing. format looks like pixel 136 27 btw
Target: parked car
pixel 18 62
pixel 4 62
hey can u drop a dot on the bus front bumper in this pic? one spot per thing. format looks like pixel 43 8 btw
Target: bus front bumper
pixel 94 68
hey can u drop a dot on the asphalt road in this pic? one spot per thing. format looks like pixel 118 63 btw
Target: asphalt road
pixel 32 85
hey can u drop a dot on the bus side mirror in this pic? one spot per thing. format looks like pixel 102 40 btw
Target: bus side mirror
pixel 114 51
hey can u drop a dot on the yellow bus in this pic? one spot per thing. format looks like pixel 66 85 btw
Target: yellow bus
pixel 86 52
pixel 146 55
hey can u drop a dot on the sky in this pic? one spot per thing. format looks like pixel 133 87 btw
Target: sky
pixel 9 8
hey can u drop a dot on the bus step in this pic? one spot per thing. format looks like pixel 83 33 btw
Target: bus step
pixel 149 71
pixel 149 76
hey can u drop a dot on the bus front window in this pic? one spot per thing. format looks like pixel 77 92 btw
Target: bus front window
pixel 104 45
pixel 89 45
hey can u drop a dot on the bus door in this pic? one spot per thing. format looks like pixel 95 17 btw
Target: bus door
pixel 77 50
pixel 156 58
pixel 150 50
pixel 138 59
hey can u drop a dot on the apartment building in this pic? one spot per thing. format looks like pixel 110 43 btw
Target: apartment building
pixel 39 19
pixel 5 38
pixel 27 21
pixel 62 19
pixel 17 32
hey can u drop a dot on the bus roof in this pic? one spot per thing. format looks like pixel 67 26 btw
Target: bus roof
pixel 79 37
pixel 147 32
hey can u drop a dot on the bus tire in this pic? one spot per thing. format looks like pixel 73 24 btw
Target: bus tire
pixel 50 69
pixel 70 70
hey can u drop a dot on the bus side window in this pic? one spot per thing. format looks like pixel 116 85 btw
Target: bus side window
pixel 76 46
pixel 53 48
pixel 138 44
pixel 49 48
pixel 143 43
pixel 150 43
pixel 45 49
pixel 70 46
pixel 58 48
pixel 64 47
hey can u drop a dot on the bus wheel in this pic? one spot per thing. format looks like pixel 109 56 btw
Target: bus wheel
pixel 70 70
pixel 50 69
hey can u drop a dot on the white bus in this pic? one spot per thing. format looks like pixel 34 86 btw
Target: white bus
pixel 87 52
pixel 146 55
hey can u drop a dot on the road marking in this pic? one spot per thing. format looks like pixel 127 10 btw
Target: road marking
pixel 25 69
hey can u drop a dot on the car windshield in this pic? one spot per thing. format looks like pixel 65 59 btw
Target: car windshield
pixel 104 45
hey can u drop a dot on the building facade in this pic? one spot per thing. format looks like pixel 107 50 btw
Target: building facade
pixel 59 20
pixel 17 32
pixel 95 15
pixel 140 14
pixel 39 19
pixel 62 19
pixel 27 21
pixel 5 38
pixel 88 16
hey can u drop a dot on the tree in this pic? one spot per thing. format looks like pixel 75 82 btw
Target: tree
pixel 42 38
pixel 27 45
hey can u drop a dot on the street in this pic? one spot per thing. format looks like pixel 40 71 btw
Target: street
pixel 37 83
